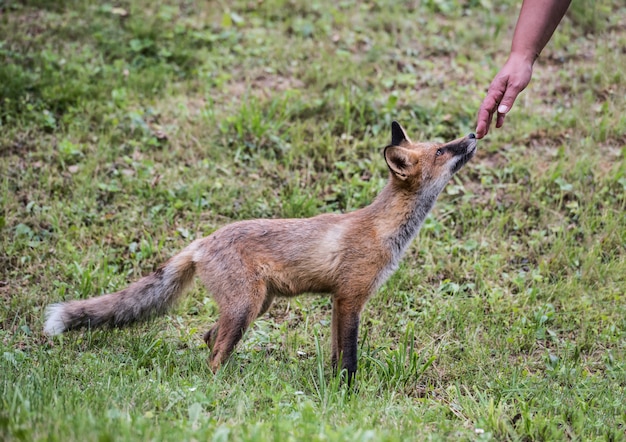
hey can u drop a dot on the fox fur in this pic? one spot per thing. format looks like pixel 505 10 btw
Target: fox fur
pixel 246 264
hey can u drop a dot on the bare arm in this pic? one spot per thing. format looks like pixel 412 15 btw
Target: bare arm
pixel 537 22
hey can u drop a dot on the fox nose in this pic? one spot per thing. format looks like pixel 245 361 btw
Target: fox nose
pixel 471 136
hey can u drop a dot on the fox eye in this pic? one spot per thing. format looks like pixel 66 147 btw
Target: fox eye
pixel 439 152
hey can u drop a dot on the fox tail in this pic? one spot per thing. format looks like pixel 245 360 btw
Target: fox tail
pixel 151 295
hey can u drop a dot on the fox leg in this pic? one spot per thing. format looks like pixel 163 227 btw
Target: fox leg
pixel 225 335
pixel 269 298
pixel 335 338
pixel 232 323
pixel 211 335
pixel 345 333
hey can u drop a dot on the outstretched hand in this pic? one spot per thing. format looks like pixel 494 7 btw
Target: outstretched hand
pixel 504 89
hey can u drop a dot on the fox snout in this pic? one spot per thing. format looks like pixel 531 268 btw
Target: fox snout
pixel 461 146
pixel 463 150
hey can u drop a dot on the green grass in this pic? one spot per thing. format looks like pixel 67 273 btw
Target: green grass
pixel 128 129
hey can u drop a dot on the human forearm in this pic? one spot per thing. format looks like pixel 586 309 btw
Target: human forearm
pixel 537 22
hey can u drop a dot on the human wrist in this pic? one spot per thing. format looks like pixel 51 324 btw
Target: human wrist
pixel 523 56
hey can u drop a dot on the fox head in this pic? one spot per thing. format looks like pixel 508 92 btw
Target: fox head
pixel 423 165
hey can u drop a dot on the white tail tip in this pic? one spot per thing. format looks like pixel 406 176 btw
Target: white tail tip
pixel 54 320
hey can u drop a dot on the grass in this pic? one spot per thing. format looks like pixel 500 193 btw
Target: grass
pixel 128 129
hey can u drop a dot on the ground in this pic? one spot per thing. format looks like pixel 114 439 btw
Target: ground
pixel 128 129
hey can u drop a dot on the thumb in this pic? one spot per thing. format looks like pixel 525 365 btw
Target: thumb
pixel 507 100
pixel 513 88
pixel 505 105
pixel 510 94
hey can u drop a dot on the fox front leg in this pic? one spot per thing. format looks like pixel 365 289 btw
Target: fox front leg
pixel 345 334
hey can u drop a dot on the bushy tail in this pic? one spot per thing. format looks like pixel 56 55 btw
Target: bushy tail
pixel 149 296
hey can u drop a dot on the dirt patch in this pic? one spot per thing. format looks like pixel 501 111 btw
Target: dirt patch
pixel 263 86
pixel 29 22
pixel 491 160
pixel 25 143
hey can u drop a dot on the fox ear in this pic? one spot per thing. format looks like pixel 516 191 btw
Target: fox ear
pixel 398 134
pixel 399 161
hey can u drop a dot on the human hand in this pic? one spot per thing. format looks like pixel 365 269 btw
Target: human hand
pixel 504 89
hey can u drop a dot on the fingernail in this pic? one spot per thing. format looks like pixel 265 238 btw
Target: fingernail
pixel 502 109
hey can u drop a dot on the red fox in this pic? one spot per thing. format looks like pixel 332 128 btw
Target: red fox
pixel 246 264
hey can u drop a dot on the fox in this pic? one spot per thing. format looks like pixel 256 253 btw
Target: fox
pixel 245 265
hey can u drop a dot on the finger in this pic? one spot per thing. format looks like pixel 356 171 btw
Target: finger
pixel 496 93
pixel 488 107
pixel 485 115
pixel 510 94
pixel 482 128
pixel 483 123
pixel 500 120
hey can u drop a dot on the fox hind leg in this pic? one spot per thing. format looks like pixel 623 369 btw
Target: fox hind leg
pixel 211 335
pixel 234 319
pixel 225 335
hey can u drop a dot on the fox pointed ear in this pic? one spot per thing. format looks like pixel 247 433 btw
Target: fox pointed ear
pixel 398 134
pixel 399 161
